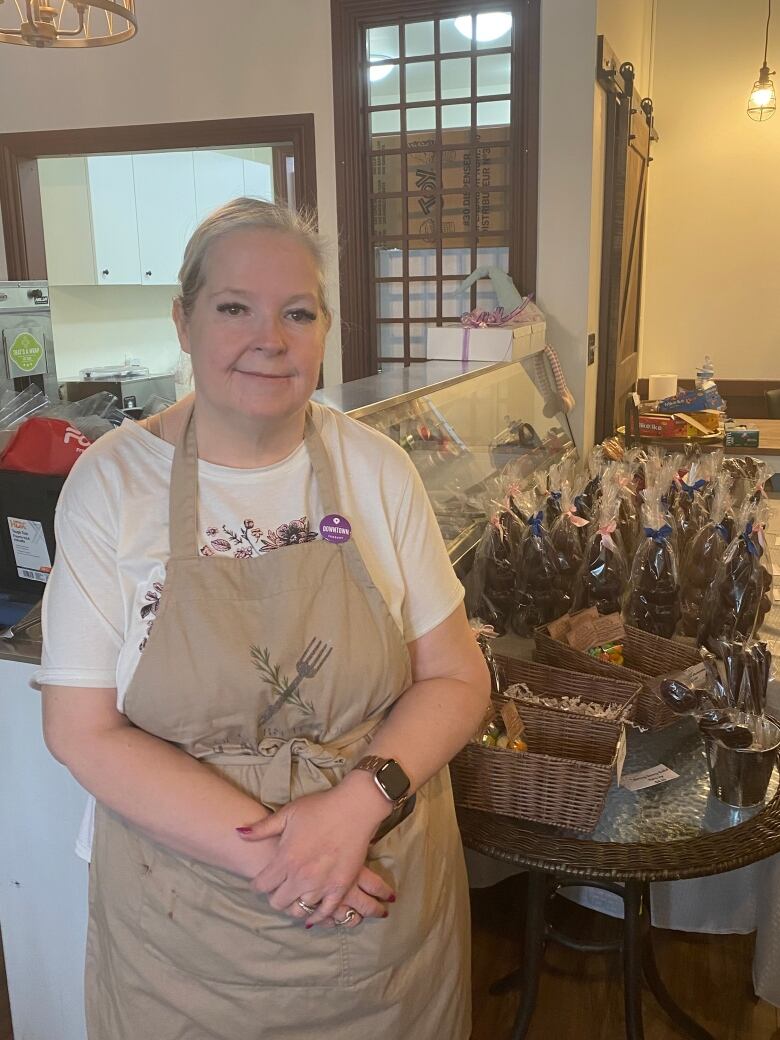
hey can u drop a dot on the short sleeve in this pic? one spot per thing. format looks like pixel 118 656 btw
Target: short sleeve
pixel 432 590
pixel 83 613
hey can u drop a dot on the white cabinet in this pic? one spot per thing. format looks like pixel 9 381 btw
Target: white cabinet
pixel 219 178
pixel 165 206
pixel 114 222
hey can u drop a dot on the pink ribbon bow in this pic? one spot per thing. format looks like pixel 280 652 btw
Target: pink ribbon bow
pixel 606 531
pixel 578 521
pixel 483 631
pixel 488 319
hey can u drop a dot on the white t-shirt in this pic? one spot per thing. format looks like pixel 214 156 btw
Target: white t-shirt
pixel 111 530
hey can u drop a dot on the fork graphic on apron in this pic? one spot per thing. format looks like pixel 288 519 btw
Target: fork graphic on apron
pixel 308 664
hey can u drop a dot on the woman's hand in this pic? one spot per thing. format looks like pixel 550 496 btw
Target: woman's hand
pixel 323 842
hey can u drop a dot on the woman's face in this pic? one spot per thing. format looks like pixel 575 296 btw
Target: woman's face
pixel 256 334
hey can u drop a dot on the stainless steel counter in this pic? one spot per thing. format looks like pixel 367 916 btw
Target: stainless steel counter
pixel 395 383
pixel 26 645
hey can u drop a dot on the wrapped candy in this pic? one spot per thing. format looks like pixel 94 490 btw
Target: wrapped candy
pixel 653 599
pixel 540 586
pixel 490 584
pixel 748 476
pixel 603 574
pixel 690 509
pixel 567 536
pixel 738 600
pixel 703 555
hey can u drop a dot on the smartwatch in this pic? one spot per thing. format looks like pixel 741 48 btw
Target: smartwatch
pixel 389 777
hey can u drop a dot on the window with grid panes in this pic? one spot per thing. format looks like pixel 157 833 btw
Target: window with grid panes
pixel 439 120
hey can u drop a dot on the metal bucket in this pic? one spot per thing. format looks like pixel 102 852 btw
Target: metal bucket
pixel 741 778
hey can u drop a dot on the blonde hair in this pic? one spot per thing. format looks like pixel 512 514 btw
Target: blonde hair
pixel 245 214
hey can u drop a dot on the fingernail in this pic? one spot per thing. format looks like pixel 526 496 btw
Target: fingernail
pixel 244 830
pixel 386 914
pixel 391 899
pixel 308 926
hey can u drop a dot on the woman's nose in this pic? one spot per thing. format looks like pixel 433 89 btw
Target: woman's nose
pixel 268 335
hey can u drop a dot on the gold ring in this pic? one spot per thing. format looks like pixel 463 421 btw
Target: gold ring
pixel 348 917
pixel 305 907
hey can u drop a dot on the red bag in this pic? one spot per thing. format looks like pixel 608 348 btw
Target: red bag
pixel 48 446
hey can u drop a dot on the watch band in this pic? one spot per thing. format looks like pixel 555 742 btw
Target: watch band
pixel 396 816
pixel 371 763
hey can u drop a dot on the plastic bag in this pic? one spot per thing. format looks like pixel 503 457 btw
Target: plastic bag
pixel 629 519
pixel 484 634
pixel 653 598
pixel 540 586
pixel 569 535
pixel 739 597
pixel 702 557
pixel 490 584
pixel 748 476
pixel 691 504
pixel 603 575
pixel 44 446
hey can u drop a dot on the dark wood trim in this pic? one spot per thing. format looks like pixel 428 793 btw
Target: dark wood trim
pixel 745 398
pixel 20 193
pixel 349 20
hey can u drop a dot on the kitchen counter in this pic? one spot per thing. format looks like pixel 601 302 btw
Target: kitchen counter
pixel 26 647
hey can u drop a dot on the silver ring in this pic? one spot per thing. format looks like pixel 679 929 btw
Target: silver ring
pixel 305 907
pixel 348 917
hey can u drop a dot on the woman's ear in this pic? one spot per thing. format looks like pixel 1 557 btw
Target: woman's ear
pixel 181 323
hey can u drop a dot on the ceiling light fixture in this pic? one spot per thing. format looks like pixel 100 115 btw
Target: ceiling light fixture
pixel 379 72
pixel 490 26
pixel 763 102
pixel 67 23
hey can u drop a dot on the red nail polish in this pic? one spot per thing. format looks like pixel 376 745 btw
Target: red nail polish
pixel 391 899
pixel 308 926
pixel 386 914
pixel 244 830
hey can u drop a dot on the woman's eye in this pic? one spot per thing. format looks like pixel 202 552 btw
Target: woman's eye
pixel 300 315
pixel 233 309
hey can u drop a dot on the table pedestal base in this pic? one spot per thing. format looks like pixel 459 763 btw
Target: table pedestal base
pixel 636 945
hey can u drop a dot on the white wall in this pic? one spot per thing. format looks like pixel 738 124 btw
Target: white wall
pixel 714 216
pixel 190 61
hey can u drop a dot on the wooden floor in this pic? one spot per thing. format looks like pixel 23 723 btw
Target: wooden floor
pixel 580 996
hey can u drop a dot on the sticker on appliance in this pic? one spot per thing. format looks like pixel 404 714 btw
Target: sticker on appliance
pixel 30 550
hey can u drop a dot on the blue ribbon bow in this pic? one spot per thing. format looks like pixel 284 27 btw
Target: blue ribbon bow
pixel 580 505
pixel 746 536
pixel 661 535
pixel 723 530
pixel 554 495
pixel 535 523
pixel 691 489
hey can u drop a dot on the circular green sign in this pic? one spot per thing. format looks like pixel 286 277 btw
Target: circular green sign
pixel 25 352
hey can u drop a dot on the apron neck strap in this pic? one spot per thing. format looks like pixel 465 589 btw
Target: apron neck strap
pixel 183 502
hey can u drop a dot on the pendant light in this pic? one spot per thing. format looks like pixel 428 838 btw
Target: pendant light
pixel 67 23
pixel 763 101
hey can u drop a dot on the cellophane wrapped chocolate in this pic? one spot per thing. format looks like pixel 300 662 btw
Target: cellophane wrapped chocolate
pixel 689 510
pixel 603 575
pixel 702 557
pixel 484 634
pixel 569 535
pixel 490 584
pixel 739 598
pixel 652 602
pixel 551 493
pixel 541 594
pixel 747 476
pixel 626 476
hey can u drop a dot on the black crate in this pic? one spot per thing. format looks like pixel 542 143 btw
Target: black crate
pixel 27 496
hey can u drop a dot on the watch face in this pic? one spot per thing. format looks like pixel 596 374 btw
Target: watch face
pixel 393 780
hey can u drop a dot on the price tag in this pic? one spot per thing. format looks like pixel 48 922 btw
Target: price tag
pixel 620 759
pixel 649 778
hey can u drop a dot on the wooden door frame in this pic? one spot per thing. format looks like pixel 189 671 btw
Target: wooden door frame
pixel 349 20
pixel 623 106
pixel 20 193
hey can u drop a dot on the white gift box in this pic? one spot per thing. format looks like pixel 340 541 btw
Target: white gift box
pixel 496 343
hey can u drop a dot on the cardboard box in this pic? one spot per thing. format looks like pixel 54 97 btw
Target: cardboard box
pixel 656 425
pixel 741 437
pixel 450 343
pixel 461 200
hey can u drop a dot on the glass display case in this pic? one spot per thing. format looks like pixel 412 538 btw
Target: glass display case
pixel 471 430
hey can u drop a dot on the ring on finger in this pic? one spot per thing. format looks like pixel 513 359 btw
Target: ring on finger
pixel 348 918
pixel 306 907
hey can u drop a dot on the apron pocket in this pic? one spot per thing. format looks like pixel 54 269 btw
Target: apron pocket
pixel 207 923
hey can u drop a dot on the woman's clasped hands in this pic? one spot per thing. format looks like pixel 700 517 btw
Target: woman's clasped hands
pixel 318 872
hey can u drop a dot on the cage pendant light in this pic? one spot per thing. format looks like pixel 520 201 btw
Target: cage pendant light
pixel 763 100
pixel 67 23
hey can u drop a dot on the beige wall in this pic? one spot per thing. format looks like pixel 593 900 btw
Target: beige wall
pixel 189 61
pixel 714 204
pixel 628 28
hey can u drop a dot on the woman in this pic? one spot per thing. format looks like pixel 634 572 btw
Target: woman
pixel 254 653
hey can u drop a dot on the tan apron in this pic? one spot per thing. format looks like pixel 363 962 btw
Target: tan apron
pixel 234 674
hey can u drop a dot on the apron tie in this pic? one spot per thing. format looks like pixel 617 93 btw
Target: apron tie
pixel 291 767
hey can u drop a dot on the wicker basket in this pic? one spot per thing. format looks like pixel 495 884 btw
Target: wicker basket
pixel 647 657
pixel 563 778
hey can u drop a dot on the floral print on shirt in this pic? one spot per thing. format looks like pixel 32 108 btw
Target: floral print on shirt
pixel 250 540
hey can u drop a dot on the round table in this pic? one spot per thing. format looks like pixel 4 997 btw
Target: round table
pixel 674 831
